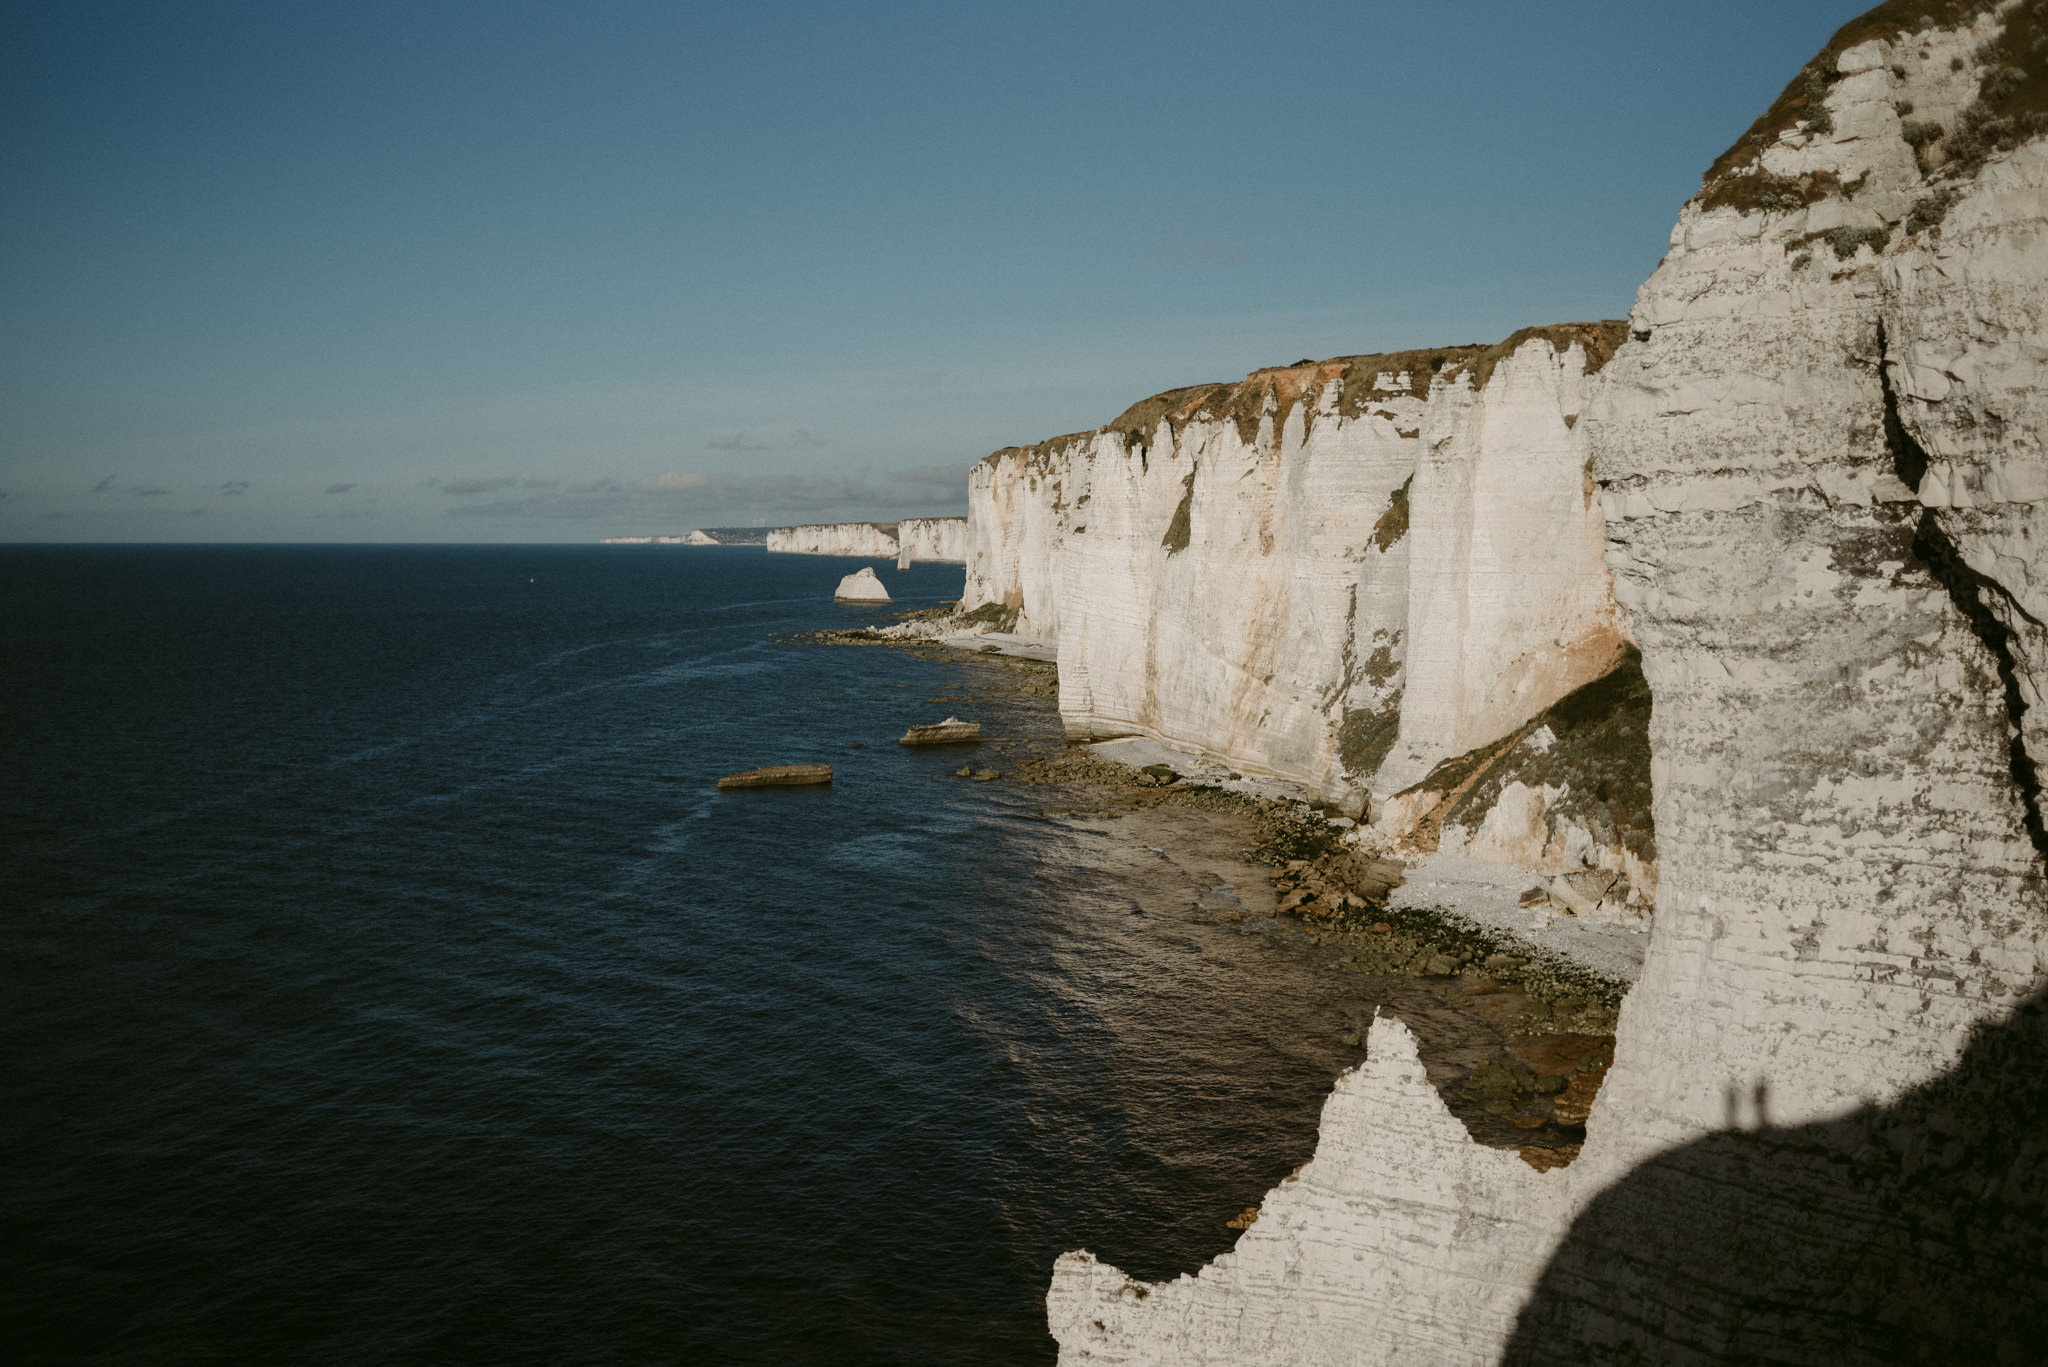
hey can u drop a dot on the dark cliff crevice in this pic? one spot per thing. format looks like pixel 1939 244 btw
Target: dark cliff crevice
pixel 1972 593
pixel 1181 529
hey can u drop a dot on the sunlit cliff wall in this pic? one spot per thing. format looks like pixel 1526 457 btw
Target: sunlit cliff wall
pixel 931 538
pixel 1338 572
pixel 836 538
pixel 1820 460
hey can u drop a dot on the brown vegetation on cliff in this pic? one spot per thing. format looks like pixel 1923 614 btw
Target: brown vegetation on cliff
pixel 2011 103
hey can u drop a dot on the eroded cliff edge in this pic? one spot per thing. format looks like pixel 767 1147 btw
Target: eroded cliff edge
pixel 1340 572
pixel 1819 459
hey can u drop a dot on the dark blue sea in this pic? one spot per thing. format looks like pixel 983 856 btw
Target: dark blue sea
pixel 384 980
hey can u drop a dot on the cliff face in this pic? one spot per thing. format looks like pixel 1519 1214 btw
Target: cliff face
pixel 1339 572
pixel 836 538
pixel 931 538
pixel 1820 463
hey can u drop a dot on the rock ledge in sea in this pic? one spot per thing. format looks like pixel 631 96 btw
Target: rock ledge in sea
pixel 861 587
pixel 779 776
pixel 951 731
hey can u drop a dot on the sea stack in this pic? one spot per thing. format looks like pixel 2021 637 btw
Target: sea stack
pixel 861 587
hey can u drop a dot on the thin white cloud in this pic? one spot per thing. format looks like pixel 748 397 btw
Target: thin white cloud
pixel 693 495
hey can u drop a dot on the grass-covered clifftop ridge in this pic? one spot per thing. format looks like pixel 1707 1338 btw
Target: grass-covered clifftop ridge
pixel 2011 105
pixel 1363 380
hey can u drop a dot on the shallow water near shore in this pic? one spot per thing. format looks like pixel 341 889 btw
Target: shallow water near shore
pixel 385 979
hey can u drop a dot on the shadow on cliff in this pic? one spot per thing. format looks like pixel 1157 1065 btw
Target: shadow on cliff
pixel 1910 1233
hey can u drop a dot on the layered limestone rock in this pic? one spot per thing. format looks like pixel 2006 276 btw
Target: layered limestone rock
pixel 1820 461
pixel 1256 571
pixel 941 539
pixel 836 538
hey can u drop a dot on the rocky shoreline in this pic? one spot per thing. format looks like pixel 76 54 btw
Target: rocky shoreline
pixel 1515 1035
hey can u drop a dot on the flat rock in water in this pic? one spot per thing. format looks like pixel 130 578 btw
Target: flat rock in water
pixel 951 731
pixel 779 776
pixel 861 587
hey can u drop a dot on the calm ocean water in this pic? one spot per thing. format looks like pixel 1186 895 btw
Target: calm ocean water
pixel 384 980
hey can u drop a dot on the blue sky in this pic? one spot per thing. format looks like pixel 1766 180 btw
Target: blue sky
pixel 519 272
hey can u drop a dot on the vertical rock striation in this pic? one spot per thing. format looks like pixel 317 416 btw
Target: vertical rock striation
pixel 941 539
pixel 1262 572
pixel 1820 463
pixel 836 538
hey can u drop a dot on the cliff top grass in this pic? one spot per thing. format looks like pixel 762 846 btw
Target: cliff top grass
pixel 2011 105
pixel 1599 341
pixel 1244 402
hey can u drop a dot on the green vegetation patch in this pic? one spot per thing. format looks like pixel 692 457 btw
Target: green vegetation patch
pixel 1599 340
pixel 1929 210
pixel 1764 192
pixel 1366 735
pixel 995 616
pixel 1181 529
pixel 2011 104
pixel 1393 523
pixel 1801 97
pixel 1244 403
pixel 1601 756
pixel 2012 92
pixel 1138 422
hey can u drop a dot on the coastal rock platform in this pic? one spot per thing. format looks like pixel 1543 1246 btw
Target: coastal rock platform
pixel 779 776
pixel 951 731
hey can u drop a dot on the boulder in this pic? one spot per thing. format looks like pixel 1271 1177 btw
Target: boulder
pixel 951 731
pixel 861 587
pixel 1581 890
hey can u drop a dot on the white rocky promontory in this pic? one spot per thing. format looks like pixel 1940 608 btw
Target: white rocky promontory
pixel 836 538
pixel 940 539
pixel 862 586
pixel 1339 573
pixel 1820 460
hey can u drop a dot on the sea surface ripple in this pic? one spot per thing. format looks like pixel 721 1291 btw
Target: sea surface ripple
pixel 385 980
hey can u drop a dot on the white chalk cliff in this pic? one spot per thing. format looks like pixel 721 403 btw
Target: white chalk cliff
pixel 835 538
pixel 1340 573
pixel 1821 484
pixel 941 539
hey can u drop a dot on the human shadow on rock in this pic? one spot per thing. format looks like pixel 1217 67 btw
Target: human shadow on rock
pixel 1909 1233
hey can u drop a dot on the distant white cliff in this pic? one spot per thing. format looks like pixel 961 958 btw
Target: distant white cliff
pixel 836 538
pixel 939 539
